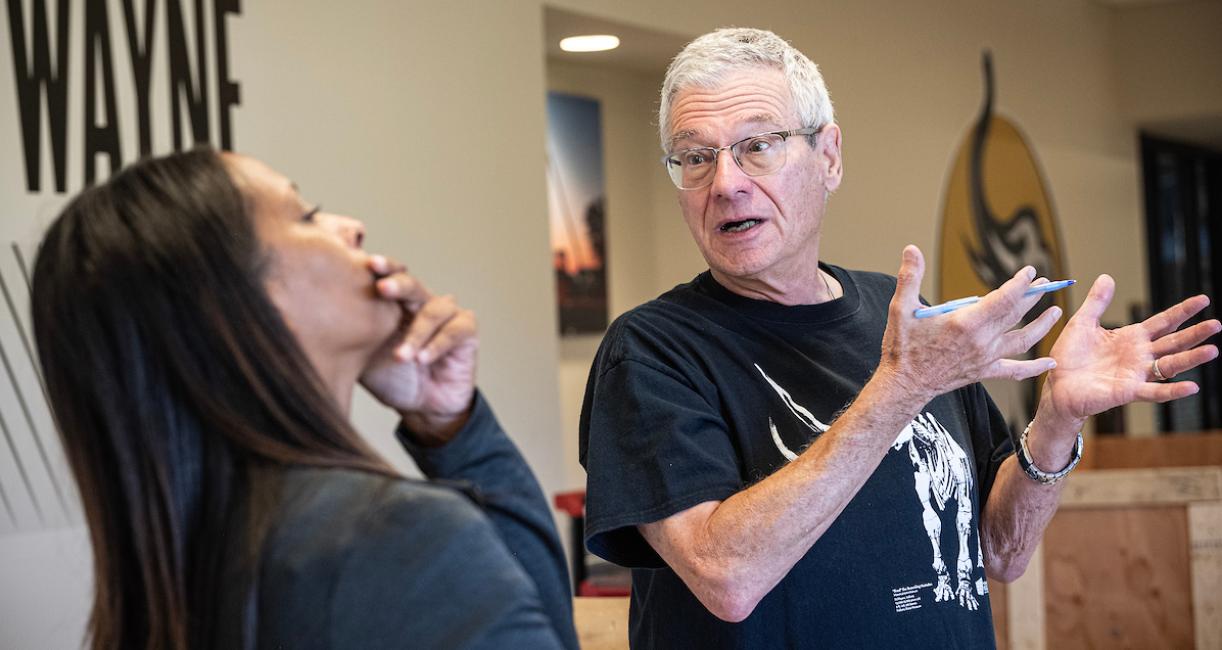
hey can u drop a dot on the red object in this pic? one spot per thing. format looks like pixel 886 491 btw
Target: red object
pixel 571 503
pixel 587 589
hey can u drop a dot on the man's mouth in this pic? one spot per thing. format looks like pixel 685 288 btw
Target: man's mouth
pixel 739 226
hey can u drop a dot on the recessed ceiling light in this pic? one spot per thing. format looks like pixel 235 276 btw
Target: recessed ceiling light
pixel 591 43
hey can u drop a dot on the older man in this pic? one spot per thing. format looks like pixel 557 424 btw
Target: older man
pixel 781 451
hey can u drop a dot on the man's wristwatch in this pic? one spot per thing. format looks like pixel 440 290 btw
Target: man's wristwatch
pixel 1038 475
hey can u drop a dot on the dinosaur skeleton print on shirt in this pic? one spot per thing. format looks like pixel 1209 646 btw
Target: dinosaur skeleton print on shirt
pixel 941 472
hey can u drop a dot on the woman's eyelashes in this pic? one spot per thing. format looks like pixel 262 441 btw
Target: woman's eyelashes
pixel 310 215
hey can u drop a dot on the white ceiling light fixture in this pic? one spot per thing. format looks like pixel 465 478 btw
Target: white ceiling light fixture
pixel 589 43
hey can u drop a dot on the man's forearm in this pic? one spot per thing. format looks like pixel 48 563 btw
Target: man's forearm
pixel 733 555
pixel 1019 508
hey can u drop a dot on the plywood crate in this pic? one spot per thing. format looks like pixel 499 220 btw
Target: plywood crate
pixel 1132 559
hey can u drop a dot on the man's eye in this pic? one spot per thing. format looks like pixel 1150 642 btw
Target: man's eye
pixel 694 158
pixel 758 145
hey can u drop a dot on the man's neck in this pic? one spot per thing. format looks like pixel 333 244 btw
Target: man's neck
pixel 809 288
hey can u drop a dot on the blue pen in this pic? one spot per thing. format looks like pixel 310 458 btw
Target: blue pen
pixel 947 307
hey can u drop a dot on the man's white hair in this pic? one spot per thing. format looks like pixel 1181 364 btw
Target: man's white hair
pixel 708 60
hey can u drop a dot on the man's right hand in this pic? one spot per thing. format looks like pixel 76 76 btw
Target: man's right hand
pixel 930 356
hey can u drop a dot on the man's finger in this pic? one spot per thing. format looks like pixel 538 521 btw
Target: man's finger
pixel 1173 364
pixel 1156 392
pixel 1003 307
pixel 1185 339
pixel 1011 291
pixel 1097 300
pixel 1020 340
pixel 908 284
pixel 1018 369
pixel 1170 319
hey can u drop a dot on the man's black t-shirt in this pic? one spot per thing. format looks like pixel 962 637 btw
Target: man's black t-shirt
pixel 700 393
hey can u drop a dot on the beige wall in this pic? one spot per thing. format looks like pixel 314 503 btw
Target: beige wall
pixel 906 82
pixel 426 119
pixel 648 246
pixel 1169 61
pixel 378 110
pixel 438 148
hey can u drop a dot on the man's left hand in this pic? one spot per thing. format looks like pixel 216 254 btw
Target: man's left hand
pixel 1098 369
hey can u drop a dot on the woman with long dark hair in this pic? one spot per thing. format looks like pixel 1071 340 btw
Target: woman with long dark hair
pixel 201 330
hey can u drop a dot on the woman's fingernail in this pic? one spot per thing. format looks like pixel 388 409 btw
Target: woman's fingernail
pixel 404 353
pixel 386 285
pixel 424 356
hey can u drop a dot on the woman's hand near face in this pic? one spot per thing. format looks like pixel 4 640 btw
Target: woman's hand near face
pixel 426 370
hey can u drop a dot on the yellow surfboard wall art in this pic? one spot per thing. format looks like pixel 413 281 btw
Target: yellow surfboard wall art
pixel 997 216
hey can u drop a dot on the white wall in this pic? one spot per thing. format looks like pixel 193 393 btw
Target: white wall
pixel 45 597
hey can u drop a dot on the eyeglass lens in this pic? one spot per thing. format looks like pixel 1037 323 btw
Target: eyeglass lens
pixel 756 156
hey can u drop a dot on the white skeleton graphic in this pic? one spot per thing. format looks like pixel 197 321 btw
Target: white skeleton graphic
pixel 941 471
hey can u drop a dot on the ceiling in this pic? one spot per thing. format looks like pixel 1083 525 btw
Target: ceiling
pixel 640 49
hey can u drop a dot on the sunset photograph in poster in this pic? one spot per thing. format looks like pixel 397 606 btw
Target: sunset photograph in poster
pixel 577 209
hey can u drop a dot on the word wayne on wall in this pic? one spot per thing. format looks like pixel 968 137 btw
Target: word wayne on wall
pixel 94 61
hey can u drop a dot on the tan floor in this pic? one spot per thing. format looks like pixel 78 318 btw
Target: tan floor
pixel 602 623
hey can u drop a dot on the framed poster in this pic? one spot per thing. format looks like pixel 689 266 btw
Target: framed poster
pixel 577 212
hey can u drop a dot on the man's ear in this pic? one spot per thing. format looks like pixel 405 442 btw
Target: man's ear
pixel 827 148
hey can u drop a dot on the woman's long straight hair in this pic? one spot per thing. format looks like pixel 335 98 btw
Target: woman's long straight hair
pixel 175 384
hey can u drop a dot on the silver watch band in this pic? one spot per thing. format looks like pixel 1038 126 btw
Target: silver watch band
pixel 1035 473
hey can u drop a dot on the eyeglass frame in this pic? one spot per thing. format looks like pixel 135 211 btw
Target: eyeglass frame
pixel 785 135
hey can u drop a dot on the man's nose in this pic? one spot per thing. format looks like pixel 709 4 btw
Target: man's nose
pixel 729 180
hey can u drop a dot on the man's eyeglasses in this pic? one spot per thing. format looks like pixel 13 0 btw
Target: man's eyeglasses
pixel 757 155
